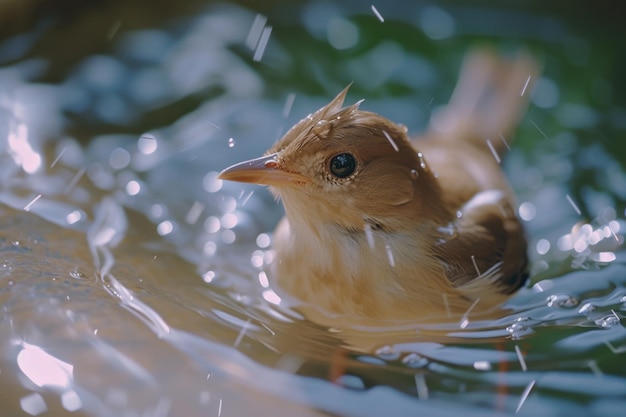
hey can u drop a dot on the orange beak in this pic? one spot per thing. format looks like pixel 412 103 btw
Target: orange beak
pixel 264 170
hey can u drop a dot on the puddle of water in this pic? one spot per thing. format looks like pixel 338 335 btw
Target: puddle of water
pixel 132 280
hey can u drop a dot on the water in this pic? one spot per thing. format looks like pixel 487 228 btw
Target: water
pixel 132 280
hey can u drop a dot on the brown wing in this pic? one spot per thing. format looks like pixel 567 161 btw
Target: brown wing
pixel 488 244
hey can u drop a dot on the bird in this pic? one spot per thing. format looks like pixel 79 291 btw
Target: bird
pixel 384 229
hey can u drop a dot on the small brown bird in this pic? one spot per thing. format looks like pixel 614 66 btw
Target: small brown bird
pixel 380 229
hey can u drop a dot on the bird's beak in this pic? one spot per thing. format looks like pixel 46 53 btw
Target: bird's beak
pixel 264 170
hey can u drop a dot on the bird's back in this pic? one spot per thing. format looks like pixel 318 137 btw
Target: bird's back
pixel 465 145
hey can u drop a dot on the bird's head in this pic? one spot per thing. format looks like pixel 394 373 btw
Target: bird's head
pixel 348 167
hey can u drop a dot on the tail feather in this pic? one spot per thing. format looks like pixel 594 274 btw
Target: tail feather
pixel 488 101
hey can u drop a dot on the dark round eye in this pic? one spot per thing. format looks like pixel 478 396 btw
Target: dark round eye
pixel 342 165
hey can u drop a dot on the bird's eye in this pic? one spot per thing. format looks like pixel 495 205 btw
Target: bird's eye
pixel 342 165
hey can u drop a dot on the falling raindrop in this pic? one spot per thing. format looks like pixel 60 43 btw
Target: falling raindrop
pixel 231 142
pixel 562 300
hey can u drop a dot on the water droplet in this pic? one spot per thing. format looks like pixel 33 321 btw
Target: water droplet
pixel 74 217
pixel 263 280
pixel 77 275
pixel 543 246
pixel 521 327
pixel 562 300
pixel 229 220
pixel 257 259
pixel 212 224
pixel 603 257
pixel 147 144
pixel 415 360
pixel 119 158
pixel 448 232
pixel 231 142
pixel 228 236
pixel 210 248
pixel 527 211
pixel 387 353
pixel 608 321
pixel 211 183
pixel 133 187
pixel 263 240
pixel 208 276
pixel 321 129
pixel 414 174
pixel 165 227
pixel 420 156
